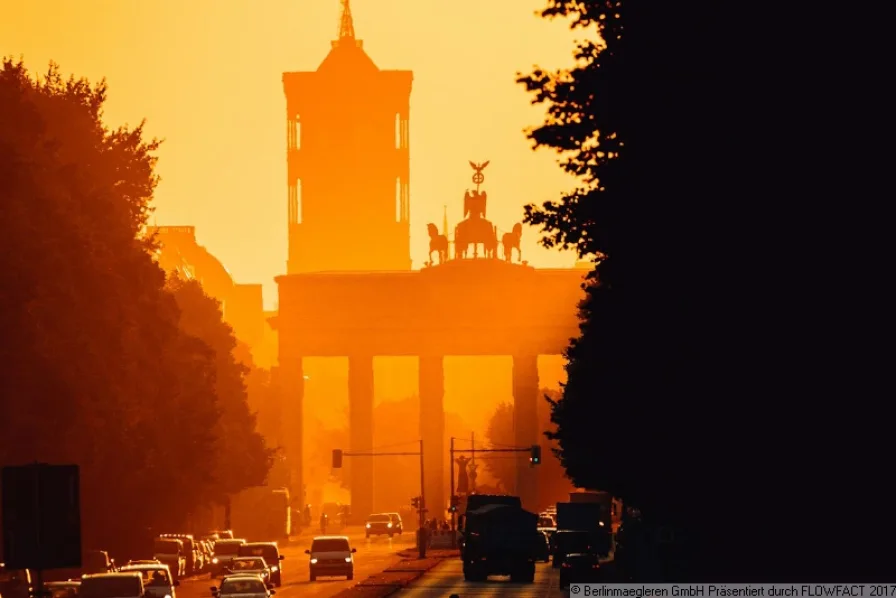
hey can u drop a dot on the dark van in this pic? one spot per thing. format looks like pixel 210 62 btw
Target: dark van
pixel 271 555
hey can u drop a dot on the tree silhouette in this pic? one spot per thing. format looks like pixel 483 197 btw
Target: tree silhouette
pixel 100 368
pixel 688 393
pixel 242 460
pixel 584 123
pixel 623 369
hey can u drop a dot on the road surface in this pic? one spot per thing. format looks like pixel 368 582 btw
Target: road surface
pixel 373 556
pixel 448 579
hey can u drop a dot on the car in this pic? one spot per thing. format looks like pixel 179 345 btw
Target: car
pixel 205 550
pixel 244 586
pixel 380 524
pixel 550 532
pixel 570 542
pixel 171 552
pixel 331 556
pixel 157 579
pixel 254 565
pixel 225 551
pixel 190 551
pixel 143 562
pixel 62 589
pixel 542 547
pixel 270 552
pixel 112 585
pixel 222 534
pixel 397 524
pixel 581 567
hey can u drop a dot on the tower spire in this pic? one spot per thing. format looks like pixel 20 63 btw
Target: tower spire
pixel 346 24
pixel 445 222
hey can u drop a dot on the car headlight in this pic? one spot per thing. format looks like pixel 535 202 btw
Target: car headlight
pixel 167 595
pixel 215 561
pixel 274 569
pixel 348 559
pixel 368 526
pixel 389 525
pixel 313 561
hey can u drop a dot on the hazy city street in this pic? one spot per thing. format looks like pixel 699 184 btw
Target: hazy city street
pixel 373 556
pixel 502 280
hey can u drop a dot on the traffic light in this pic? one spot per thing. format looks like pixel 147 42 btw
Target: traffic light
pixel 415 502
pixel 455 501
pixel 337 458
pixel 535 455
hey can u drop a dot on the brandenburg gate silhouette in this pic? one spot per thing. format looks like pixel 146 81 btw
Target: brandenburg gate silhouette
pixel 473 305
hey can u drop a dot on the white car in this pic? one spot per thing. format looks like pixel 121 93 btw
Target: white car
pixel 331 556
pixel 242 586
pixel 156 579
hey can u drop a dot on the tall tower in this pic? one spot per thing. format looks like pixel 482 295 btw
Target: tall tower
pixel 348 162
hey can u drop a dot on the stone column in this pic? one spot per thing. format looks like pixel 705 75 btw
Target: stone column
pixel 360 407
pixel 432 430
pixel 525 425
pixel 291 388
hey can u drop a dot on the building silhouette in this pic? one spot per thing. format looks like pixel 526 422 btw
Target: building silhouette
pixel 348 162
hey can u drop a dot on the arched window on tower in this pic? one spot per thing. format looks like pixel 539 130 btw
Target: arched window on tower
pixel 297 132
pixel 398 131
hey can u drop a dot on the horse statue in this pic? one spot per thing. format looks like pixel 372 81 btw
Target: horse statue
pixel 511 241
pixel 490 246
pixel 437 243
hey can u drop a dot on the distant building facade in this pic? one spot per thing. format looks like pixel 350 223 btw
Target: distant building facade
pixel 241 304
pixel 348 156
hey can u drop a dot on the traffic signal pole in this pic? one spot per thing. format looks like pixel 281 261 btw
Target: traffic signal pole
pixel 421 540
pixel 534 459
pixel 421 503
pixel 452 499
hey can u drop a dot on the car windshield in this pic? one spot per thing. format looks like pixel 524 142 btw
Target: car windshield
pixel 166 546
pixel 247 564
pixel 227 548
pixel 269 553
pixel 243 586
pixel 110 587
pixel 330 545
pixel 379 519
pixel 154 577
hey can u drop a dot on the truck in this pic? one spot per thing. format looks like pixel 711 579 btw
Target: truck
pixel 499 539
pixel 612 507
pixel 261 514
pixel 472 502
pixel 588 517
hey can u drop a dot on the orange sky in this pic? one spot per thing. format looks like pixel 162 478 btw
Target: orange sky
pixel 207 76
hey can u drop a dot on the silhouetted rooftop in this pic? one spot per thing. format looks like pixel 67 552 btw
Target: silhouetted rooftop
pixel 347 55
